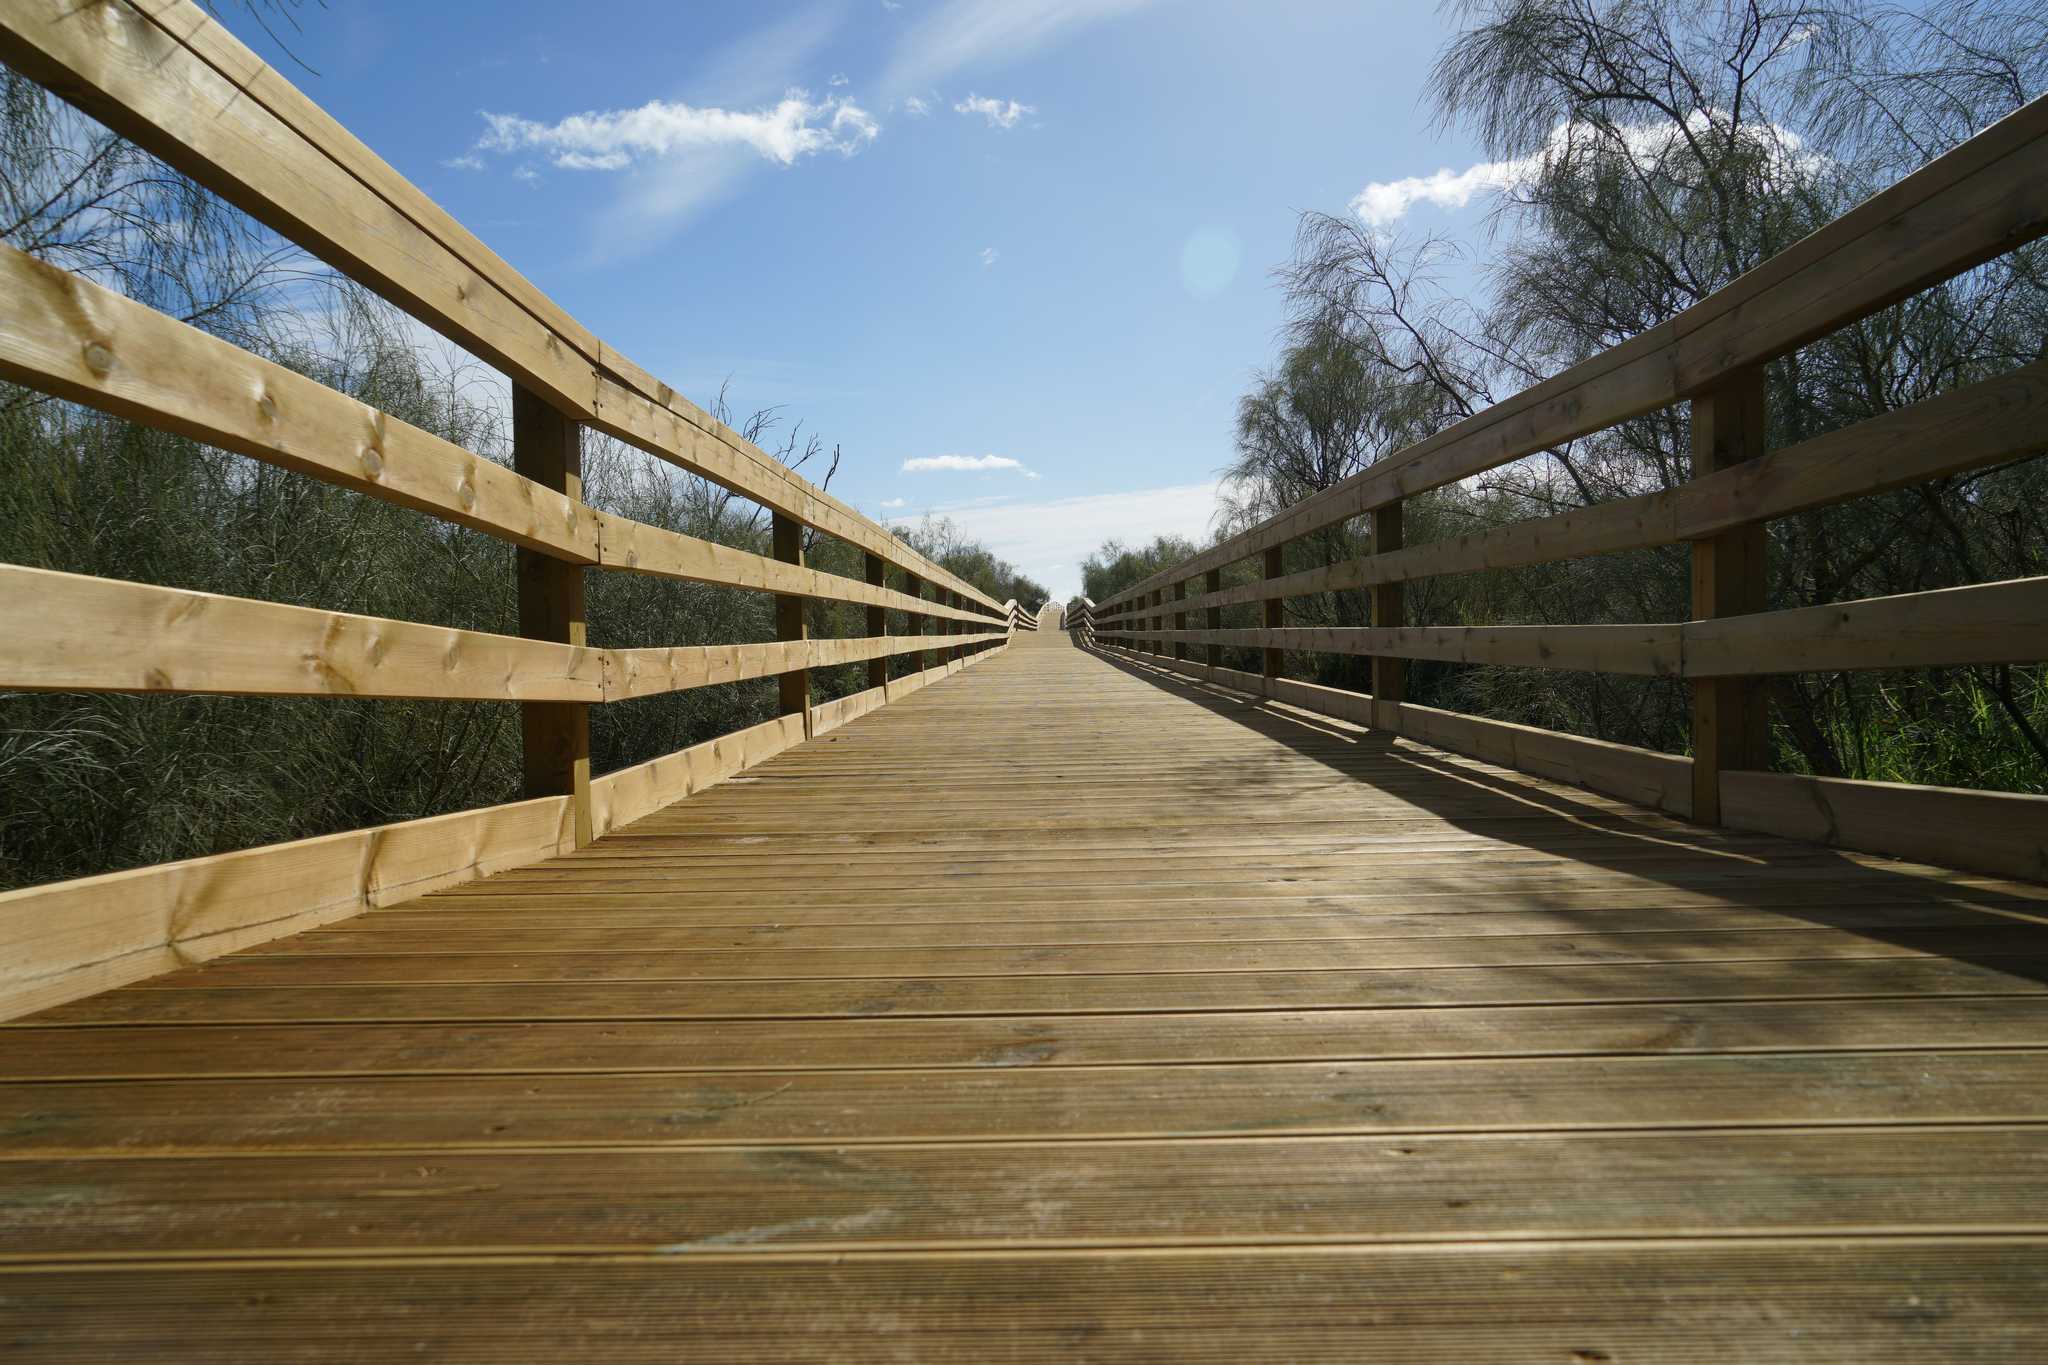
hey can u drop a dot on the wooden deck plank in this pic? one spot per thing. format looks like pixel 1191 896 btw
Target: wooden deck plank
pixel 699 1108
pixel 1829 1300
pixel 1107 993
pixel 1924 1023
pixel 625 964
pixel 1286 1191
pixel 971 1023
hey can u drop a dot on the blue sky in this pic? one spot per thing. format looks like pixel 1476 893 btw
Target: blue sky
pixel 1012 255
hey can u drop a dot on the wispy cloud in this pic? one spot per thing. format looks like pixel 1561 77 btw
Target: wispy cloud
pixel 468 161
pixel 964 464
pixel 612 140
pixel 959 33
pixel 891 504
pixel 1383 203
pixel 989 256
pixel 999 113
pixel 916 106
pixel 526 175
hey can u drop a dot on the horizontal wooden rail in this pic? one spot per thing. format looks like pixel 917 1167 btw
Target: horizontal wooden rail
pixel 649 672
pixel 1978 201
pixel 72 633
pixel 163 74
pixel 640 548
pixel 75 938
pixel 75 633
pixel 1988 623
pixel 64 335
pixel 1974 428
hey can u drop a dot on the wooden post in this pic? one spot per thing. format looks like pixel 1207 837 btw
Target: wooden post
pixel 878 619
pixel 1730 717
pixel 913 624
pixel 1158 620
pixel 547 447
pixel 789 623
pixel 1212 583
pixel 1389 674
pixel 953 627
pixel 1275 614
pixel 1180 618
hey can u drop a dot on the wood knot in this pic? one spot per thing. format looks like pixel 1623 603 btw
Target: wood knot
pixel 373 463
pixel 99 358
pixel 465 493
pixel 267 405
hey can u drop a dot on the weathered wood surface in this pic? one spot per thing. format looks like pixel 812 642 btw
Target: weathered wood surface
pixel 1071 1008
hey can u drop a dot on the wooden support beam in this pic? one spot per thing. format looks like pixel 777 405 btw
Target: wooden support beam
pixel 1275 610
pixel 1180 616
pixel 1730 718
pixel 795 685
pixel 913 624
pixel 1389 674
pixel 1212 583
pixel 878 618
pixel 547 447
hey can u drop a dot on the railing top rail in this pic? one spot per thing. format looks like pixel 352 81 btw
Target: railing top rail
pixel 1977 201
pixel 168 77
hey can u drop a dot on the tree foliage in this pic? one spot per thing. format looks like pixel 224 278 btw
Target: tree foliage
pixel 1643 154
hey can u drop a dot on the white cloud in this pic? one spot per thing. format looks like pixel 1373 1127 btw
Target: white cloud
pixel 916 106
pixel 468 161
pixel 838 78
pixel 1049 539
pixel 892 4
pixel 891 504
pixel 526 175
pixel 960 33
pixel 793 128
pixel 999 113
pixel 989 256
pixel 1383 203
pixel 964 464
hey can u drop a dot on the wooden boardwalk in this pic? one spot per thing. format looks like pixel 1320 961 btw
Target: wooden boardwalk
pixel 1113 1018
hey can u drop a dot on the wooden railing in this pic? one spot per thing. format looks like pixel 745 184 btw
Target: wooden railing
pixel 1080 620
pixel 167 77
pixel 1983 199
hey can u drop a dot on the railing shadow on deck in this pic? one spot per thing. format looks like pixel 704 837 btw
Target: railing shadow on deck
pixel 1998 931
